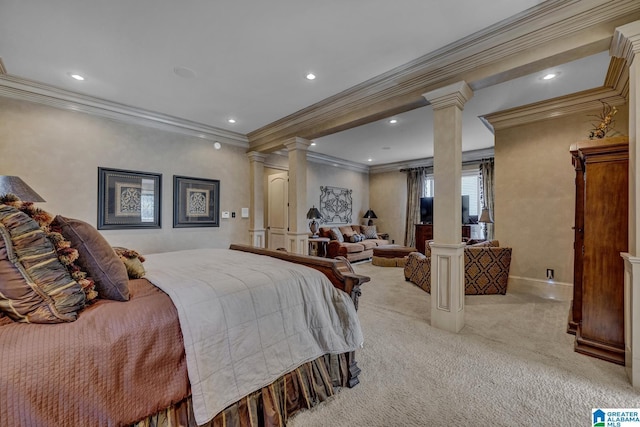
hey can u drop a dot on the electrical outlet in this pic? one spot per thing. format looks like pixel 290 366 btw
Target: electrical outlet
pixel 549 274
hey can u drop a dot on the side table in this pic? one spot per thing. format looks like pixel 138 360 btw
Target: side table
pixel 318 246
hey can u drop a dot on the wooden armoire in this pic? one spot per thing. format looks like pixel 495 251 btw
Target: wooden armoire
pixel 596 316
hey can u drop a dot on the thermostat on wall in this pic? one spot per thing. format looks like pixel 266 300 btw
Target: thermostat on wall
pixel 225 214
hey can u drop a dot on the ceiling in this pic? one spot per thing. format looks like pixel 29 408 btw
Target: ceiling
pixel 207 61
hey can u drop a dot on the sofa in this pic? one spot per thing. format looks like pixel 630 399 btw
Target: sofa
pixel 486 268
pixel 354 242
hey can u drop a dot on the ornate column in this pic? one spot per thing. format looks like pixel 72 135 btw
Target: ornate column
pixel 298 235
pixel 447 249
pixel 626 44
pixel 256 203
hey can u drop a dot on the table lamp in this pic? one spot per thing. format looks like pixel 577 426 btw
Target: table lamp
pixel 314 214
pixel 371 215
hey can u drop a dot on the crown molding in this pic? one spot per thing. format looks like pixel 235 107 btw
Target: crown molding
pixel 456 94
pixel 28 90
pixel 324 160
pixel 626 41
pixel 553 108
pixel 579 27
pixel 614 92
pixel 472 156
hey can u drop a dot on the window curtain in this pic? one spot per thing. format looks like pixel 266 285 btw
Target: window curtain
pixel 486 193
pixel 416 178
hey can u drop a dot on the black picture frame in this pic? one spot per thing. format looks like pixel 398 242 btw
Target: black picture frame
pixel 128 199
pixel 196 202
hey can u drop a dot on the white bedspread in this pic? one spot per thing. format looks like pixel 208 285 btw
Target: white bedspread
pixel 248 319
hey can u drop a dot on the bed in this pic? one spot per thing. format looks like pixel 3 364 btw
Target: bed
pixel 132 362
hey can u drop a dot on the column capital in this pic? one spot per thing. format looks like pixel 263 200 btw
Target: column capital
pixel 626 41
pixel 296 143
pixel 456 94
pixel 256 156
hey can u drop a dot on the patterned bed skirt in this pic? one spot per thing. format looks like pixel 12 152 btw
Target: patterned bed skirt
pixel 271 406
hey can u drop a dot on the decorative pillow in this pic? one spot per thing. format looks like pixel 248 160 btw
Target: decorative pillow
pixel 34 285
pixel 346 231
pixel 97 258
pixel 336 234
pixel 369 231
pixel 132 261
pixel 66 254
pixel 355 238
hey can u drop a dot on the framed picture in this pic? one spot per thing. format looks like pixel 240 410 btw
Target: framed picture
pixel 128 199
pixel 196 202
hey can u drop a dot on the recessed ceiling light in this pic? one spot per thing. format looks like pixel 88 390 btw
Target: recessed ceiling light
pixel 311 76
pixel 549 76
pixel 231 121
pixel 77 77
pixel 369 160
pixel 184 72
pixel 313 143
pixel 393 121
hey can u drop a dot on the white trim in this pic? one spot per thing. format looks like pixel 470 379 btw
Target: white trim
pixel 548 289
pixel 328 160
pixel 467 157
pixel 27 90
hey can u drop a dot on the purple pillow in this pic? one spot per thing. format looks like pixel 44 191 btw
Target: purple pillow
pixel 97 258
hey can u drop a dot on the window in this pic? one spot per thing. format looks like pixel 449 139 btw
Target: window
pixel 470 187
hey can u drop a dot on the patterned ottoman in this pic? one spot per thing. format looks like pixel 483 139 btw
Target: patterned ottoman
pixel 391 255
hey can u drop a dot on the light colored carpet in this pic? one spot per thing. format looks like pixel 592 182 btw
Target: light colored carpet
pixel 513 364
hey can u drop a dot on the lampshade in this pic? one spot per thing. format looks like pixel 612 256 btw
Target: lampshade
pixel 313 213
pixel 370 214
pixel 485 216
pixel 14 185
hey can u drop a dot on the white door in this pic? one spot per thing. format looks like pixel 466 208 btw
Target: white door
pixel 278 211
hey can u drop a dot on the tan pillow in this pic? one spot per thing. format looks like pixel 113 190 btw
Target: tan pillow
pixel 347 232
pixel 97 258
pixel 336 234
pixel 34 285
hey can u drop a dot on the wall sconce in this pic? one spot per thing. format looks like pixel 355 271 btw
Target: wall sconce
pixel 14 185
pixel 314 214
pixel 371 215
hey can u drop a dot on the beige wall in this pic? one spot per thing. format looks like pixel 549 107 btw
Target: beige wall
pixel 324 175
pixel 329 176
pixel 388 198
pixel 58 152
pixel 535 195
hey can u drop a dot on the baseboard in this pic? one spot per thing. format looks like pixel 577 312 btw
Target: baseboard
pixel 549 289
